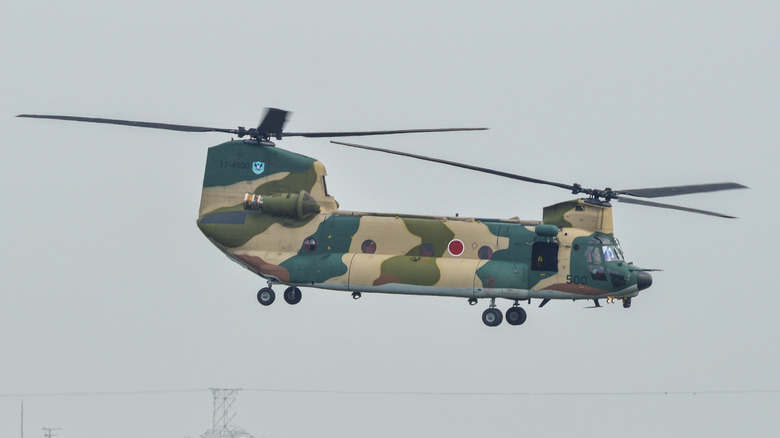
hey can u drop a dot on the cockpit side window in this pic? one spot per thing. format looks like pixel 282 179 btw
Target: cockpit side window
pixel 593 255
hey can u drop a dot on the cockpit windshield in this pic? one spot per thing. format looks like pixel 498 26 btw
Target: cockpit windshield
pixel 609 248
pixel 610 254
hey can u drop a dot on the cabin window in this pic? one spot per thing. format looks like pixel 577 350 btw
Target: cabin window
pixel 426 249
pixel 485 253
pixel 310 244
pixel 324 186
pixel 368 246
pixel 544 256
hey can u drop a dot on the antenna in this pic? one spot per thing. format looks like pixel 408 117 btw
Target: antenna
pixel 222 425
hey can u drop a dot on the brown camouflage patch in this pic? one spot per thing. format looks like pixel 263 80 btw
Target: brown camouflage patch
pixel 576 289
pixel 266 268
pixel 386 278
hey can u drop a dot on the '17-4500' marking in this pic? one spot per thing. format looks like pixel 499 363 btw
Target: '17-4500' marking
pixel 236 165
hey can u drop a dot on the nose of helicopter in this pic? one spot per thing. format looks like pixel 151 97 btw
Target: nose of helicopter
pixel 643 280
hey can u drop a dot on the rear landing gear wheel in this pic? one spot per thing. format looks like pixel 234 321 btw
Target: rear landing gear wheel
pixel 292 295
pixel 492 317
pixel 266 296
pixel 516 315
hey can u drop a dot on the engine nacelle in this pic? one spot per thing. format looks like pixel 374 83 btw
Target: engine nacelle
pixel 298 205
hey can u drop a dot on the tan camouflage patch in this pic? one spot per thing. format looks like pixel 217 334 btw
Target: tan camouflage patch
pixel 590 217
pixel 318 191
pixel 366 269
pixel 457 273
pixel 389 233
pixel 474 235
pixel 565 239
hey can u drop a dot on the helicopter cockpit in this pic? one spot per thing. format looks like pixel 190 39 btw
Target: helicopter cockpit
pixel 604 258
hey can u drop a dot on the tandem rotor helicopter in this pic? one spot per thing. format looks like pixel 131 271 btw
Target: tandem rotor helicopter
pixel 269 210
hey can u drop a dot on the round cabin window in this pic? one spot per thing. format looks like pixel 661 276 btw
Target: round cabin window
pixel 485 253
pixel 368 247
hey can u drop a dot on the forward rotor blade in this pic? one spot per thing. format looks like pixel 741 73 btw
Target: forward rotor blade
pixel 461 165
pixel 672 207
pixel 362 133
pixel 658 192
pixel 155 125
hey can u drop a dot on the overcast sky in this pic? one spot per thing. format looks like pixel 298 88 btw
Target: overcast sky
pixel 108 285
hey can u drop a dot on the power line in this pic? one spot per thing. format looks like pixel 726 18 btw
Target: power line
pixel 521 394
pixel 102 393
pixel 411 393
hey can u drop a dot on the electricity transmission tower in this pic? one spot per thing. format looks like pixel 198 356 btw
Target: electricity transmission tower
pixel 222 425
pixel 47 431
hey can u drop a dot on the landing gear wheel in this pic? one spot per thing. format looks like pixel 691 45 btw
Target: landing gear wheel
pixel 626 302
pixel 292 295
pixel 516 315
pixel 266 296
pixel 492 317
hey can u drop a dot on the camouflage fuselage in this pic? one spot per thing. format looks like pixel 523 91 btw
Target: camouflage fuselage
pixel 268 210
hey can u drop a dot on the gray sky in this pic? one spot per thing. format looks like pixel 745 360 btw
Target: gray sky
pixel 108 285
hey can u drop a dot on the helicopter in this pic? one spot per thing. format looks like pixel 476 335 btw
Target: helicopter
pixel 269 210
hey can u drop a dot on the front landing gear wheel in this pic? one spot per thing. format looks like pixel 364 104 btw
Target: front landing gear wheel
pixel 292 295
pixel 516 315
pixel 626 302
pixel 266 296
pixel 492 317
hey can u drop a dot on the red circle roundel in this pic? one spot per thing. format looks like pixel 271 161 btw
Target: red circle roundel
pixel 456 247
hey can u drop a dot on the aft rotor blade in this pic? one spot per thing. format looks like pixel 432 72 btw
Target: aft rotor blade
pixel 672 207
pixel 659 192
pixel 362 133
pixel 155 125
pixel 273 122
pixel 461 165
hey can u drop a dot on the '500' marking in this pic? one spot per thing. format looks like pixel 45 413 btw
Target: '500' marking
pixel 576 279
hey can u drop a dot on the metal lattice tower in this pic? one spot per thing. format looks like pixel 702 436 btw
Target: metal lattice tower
pixel 48 432
pixel 222 425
